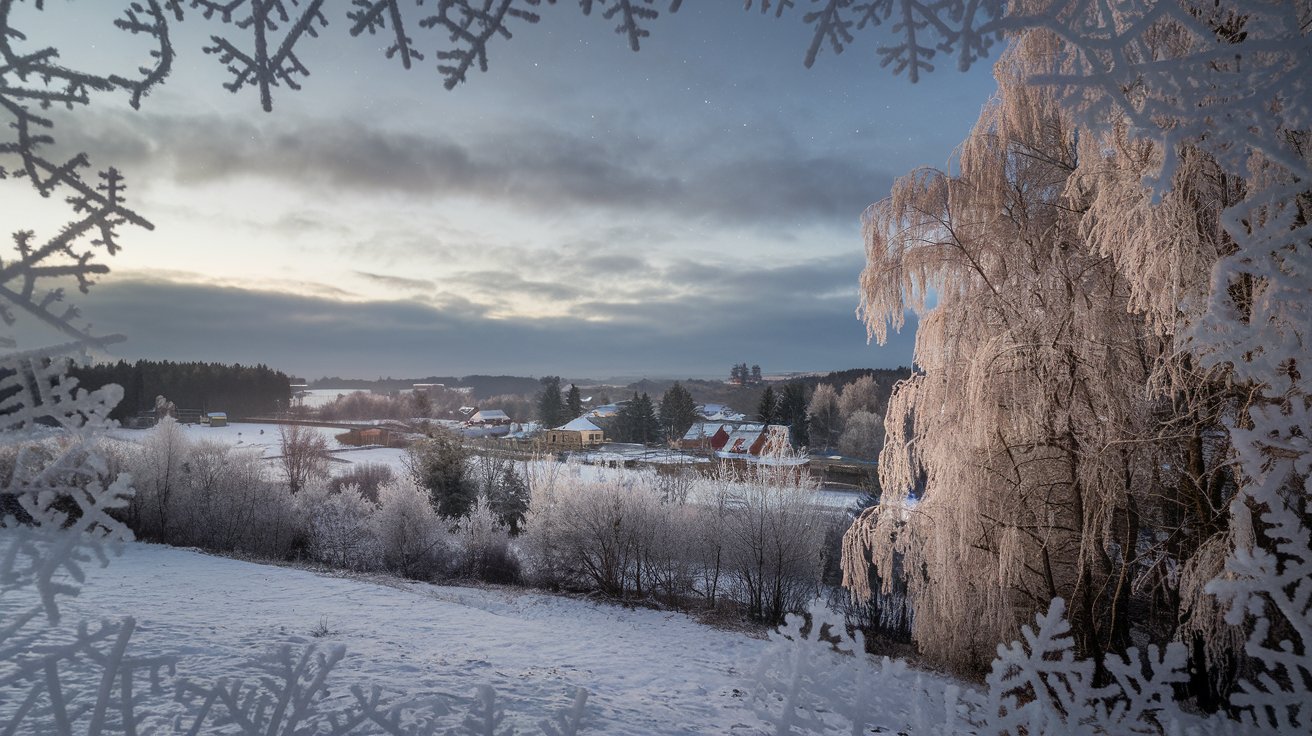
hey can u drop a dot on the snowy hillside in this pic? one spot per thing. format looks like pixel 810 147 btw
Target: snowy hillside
pixel 647 672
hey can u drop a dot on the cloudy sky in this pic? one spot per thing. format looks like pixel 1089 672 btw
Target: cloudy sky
pixel 579 209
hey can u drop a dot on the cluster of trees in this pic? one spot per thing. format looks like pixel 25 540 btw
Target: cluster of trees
pixel 642 421
pixel 239 390
pixel 787 407
pixel 555 406
pixel 450 517
pixel 437 401
pixel 458 483
pixel 741 375
pixel 677 412
pixel 748 540
pixel 850 419
pixel 636 422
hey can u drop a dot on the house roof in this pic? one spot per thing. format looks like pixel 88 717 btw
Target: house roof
pixel 580 425
pixel 700 430
pixel 491 414
pixel 740 441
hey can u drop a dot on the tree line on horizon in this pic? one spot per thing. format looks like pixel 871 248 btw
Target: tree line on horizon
pixel 239 390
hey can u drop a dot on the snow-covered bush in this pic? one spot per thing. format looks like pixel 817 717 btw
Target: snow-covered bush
pixel 483 544
pixel 157 469
pixel 586 533
pixel 341 528
pixel 368 477
pixel 413 541
pixel 752 537
pixel 775 535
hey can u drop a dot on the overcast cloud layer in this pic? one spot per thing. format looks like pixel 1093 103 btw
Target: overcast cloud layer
pixel 580 209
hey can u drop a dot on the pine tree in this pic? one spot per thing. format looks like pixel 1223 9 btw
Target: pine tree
pixel 440 466
pixel 792 411
pixel 756 374
pixel 677 413
pixel 509 499
pixel 574 402
pixel 647 428
pixel 768 410
pixel 551 408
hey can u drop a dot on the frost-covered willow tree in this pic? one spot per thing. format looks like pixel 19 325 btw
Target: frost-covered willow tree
pixel 1114 401
pixel 1030 418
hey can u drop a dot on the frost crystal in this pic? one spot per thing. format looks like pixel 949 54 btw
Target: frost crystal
pixel 269 61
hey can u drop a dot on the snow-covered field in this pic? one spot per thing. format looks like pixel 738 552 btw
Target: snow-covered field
pixel 647 672
pixel 238 434
pixel 316 397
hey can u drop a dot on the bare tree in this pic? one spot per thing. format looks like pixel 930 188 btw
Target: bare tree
pixel 304 455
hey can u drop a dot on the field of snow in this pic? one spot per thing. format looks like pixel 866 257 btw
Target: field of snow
pixel 238 434
pixel 647 672
pixel 316 397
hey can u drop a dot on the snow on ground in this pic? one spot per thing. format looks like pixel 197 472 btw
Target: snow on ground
pixel 647 672
pixel 316 397
pixel 238 434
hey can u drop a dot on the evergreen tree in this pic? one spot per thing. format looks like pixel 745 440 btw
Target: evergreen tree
pixel 551 408
pixel 440 466
pixel 574 402
pixel 637 421
pixel 508 499
pixel 647 425
pixel 756 374
pixel 677 412
pixel 792 411
pixel 768 410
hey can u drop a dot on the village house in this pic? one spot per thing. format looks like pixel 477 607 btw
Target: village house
pixel 705 436
pixel 749 442
pixel 489 418
pixel 576 435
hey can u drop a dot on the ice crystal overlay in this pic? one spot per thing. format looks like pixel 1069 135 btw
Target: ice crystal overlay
pixel 288 698
pixel 267 58
pixel 1233 83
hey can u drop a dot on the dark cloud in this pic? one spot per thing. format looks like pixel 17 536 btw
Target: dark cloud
pixel 317 336
pixel 772 181
pixel 398 282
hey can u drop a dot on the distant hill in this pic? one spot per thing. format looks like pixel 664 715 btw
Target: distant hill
pixel 745 399
pixel 484 386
